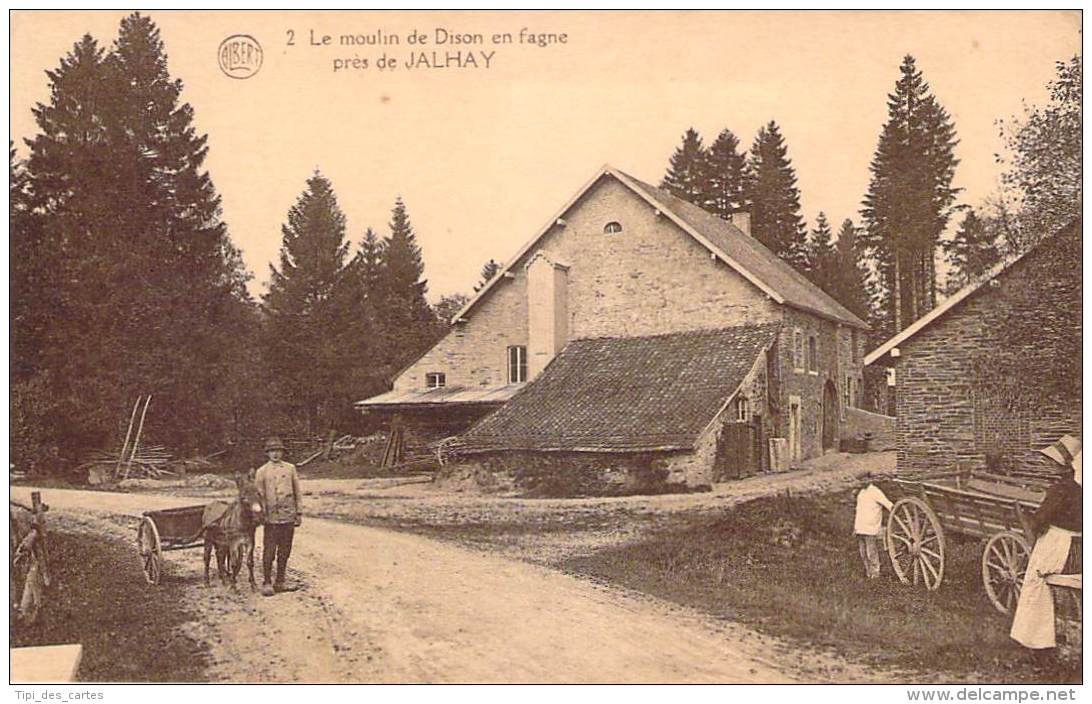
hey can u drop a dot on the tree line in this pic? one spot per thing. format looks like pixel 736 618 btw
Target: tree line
pixel 125 282
pixel 885 269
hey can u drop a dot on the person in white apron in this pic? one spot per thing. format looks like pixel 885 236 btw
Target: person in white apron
pixel 1057 521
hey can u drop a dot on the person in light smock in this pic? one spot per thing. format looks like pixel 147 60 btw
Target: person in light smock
pixel 868 526
pixel 1057 521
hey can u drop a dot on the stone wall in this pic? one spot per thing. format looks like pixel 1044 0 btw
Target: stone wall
pixel 880 428
pixel 650 278
pixel 947 416
pixel 586 473
pixel 836 362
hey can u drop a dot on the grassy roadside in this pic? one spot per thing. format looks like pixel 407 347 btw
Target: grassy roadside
pixel 130 630
pixel 789 566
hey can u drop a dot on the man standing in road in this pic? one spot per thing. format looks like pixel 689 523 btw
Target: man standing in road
pixel 279 487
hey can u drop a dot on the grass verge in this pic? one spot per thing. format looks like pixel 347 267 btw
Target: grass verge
pixel 790 567
pixel 130 630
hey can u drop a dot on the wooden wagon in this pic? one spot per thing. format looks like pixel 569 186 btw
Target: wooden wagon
pixel 991 507
pixel 168 529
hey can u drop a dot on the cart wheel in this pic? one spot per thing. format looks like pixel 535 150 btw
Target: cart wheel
pixel 151 552
pixel 1004 562
pixel 915 542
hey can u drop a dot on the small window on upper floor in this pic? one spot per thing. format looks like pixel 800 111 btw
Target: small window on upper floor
pixel 435 380
pixel 797 350
pixel 517 364
pixel 743 409
pixel 612 227
pixel 813 354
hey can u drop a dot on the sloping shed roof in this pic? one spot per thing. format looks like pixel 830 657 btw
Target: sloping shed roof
pixel 626 393
pixel 963 294
pixel 749 257
pixel 443 396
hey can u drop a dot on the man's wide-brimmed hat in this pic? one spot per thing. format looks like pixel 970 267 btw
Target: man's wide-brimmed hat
pixel 1063 450
pixel 273 444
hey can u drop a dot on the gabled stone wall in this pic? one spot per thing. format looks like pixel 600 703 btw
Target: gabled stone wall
pixel 648 279
pixel 946 418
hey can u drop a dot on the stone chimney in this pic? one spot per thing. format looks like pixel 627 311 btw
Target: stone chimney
pixel 547 311
pixel 742 220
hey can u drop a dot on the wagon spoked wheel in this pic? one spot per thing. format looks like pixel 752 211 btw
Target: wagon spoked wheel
pixel 1004 562
pixel 915 542
pixel 151 552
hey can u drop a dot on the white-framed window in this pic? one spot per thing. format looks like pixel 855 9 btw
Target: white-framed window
pixel 435 380
pixel 612 228
pixel 798 350
pixel 517 364
pixel 813 354
pixel 743 409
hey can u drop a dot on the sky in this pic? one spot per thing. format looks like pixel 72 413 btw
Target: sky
pixel 484 156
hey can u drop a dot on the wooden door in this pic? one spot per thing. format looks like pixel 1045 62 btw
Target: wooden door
pixel 830 416
pixel 735 457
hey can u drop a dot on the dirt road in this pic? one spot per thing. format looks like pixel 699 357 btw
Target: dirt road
pixel 380 606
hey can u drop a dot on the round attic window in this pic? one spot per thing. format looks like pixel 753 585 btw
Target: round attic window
pixel 612 228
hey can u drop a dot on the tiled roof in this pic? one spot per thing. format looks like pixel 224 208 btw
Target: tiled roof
pixel 627 393
pixel 753 256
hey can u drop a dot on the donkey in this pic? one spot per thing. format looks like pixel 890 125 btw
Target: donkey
pixel 229 527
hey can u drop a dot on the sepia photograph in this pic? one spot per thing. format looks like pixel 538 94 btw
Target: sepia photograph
pixel 546 347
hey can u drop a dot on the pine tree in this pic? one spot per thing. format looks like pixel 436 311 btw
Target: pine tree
pixel 489 270
pixel 200 279
pixel 406 319
pixel 725 174
pixel 822 258
pixel 305 306
pixel 686 177
pixel 971 252
pixel 851 287
pixel 775 201
pixel 80 185
pixel 910 197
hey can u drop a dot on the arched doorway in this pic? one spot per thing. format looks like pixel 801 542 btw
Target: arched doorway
pixel 830 416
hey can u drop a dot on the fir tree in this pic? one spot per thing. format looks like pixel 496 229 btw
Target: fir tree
pixel 305 306
pixel 851 287
pixel 910 197
pixel 80 184
pixel 489 270
pixel 823 260
pixel 775 201
pixel 686 177
pixel 200 279
pixel 725 174
pixel 406 318
pixel 971 252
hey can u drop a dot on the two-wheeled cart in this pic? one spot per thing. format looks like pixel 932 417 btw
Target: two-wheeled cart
pixel 991 507
pixel 168 529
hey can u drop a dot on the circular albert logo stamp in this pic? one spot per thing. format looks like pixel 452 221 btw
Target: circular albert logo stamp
pixel 240 56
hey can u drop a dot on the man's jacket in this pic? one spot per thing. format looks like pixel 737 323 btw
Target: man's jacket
pixel 280 491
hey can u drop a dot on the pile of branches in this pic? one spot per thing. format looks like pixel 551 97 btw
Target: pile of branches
pixel 146 463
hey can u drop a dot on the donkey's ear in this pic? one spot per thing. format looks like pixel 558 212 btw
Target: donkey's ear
pixel 252 473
